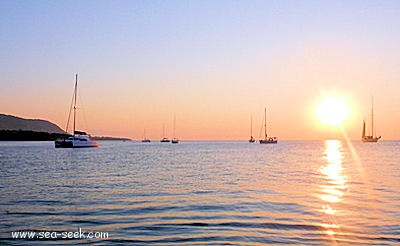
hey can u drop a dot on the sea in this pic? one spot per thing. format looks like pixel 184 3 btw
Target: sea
pixel 331 192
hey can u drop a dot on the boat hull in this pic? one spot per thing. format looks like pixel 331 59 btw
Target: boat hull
pixel 175 141
pixel 370 139
pixel 63 144
pixel 75 144
pixel 269 141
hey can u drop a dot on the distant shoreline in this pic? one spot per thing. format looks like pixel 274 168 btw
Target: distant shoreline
pixel 27 135
pixel 97 138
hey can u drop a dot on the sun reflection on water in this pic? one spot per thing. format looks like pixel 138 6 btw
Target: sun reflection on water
pixel 333 172
pixel 335 183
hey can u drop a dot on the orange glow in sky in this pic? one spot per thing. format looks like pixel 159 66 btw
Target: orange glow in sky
pixel 141 63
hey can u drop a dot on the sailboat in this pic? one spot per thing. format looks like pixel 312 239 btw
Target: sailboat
pixel 372 138
pixel 145 140
pixel 78 139
pixel 164 139
pixel 267 140
pixel 252 139
pixel 175 140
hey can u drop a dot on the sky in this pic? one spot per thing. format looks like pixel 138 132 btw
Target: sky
pixel 212 65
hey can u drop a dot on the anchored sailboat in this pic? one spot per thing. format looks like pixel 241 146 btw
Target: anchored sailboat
pixel 78 139
pixel 252 139
pixel 164 139
pixel 175 140
pixel 145 140
pixel 371 138
pixel 267 140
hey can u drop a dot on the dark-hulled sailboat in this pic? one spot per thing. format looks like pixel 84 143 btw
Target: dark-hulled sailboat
pixel 252 139
pixel 371 138
pixel 267 140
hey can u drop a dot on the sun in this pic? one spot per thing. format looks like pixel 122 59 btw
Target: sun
pixel 333 111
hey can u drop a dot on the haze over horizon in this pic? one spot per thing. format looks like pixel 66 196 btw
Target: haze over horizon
pixel 213 64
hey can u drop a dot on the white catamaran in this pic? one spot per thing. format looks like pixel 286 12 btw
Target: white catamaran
pixel 372 138
pixel 267 140
pixel 78 139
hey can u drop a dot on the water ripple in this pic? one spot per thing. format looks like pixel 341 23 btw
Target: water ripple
pixel 203 193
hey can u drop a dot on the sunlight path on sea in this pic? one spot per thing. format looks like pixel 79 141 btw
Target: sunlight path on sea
pixel 335 185
pixel 216 192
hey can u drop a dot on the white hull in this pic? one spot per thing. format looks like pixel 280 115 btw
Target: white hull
pixel 76 142
pixel 79 139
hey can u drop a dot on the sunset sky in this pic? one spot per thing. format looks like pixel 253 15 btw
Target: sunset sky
pixel 213 64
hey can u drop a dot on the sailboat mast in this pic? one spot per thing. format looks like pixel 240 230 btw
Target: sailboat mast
pixel 372 116
pixel 363 130
pixel 251 125
pixel 75 95
pixel 174 125
pixel 265 122
pixel 163 130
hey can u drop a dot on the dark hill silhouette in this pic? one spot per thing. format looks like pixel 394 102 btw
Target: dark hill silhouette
pixel 9 122
pixel 14 128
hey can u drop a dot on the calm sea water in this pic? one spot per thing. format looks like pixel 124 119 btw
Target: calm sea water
pixel 203 193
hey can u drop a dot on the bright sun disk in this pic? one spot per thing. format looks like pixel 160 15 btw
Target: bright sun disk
pixel 333 111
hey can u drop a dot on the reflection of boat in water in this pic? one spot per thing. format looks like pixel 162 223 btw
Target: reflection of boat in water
pixel 252 139
pixel 145 140
pixel 267 140
pixel 78 139
pixel 372 138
